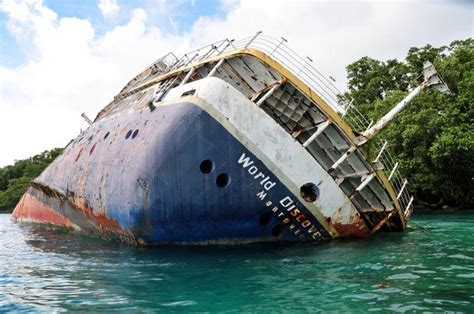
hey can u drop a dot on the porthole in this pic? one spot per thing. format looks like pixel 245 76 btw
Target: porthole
pixel 128 134
pixel 223 180
pixel 135 133
pixel 265 218
pixel 277 230
pixel 79 154
pixel 106 135
pixel 207 166
pixel 309 192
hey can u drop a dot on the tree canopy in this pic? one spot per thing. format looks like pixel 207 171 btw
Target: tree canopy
pixel 434 136
pixel 14 179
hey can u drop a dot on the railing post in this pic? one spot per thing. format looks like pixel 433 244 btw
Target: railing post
pixel 209 52
pixel 370 124
pixel 393 171
pixel 304 65
pixel 283 40
pixel 403 188
pixel 229 42
pixel 252 39
pixel 348 107
pixel 407 209
pixel 191 60
pixel 381 151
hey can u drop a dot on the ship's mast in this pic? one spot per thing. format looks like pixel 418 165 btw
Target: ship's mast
pixel 431 79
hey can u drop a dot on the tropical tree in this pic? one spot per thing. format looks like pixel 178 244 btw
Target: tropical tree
pixel 434 136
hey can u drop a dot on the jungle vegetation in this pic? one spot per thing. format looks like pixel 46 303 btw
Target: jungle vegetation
pixel 14 179
pixel 433 137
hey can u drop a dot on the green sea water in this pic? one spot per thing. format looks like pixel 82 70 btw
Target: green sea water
pixel 429 268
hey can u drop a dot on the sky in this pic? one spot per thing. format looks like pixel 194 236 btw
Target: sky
pixel 61 58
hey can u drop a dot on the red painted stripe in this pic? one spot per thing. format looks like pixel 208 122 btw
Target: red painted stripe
pixel 29 209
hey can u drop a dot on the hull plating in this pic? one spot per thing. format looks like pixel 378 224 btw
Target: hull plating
pixel 172 175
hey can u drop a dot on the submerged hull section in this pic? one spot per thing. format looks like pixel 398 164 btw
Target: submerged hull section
pixel 182 179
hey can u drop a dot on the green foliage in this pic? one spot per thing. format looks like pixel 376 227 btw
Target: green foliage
pixel 434 136
pixel 14 179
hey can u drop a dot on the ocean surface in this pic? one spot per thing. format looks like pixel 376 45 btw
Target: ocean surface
pixel 428 268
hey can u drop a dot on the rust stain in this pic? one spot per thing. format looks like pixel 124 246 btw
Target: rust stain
pixel 32 210
pixel 356 229
pixel 103 225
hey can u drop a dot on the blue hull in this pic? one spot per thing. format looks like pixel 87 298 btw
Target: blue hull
pixel 171 175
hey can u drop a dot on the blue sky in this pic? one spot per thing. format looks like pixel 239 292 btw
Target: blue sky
pixel 179 19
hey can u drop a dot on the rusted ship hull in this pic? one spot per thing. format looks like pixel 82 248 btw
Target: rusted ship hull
pixel 154 189
pixel 230 147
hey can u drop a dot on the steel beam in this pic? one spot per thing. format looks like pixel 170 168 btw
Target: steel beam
pixel 187 77
pixel 321 128
pixel 214 69
pixel 342 158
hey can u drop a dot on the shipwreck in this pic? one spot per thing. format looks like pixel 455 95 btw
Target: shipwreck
pixel 240 141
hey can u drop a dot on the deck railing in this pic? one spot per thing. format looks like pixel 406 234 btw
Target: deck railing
pixel 303 68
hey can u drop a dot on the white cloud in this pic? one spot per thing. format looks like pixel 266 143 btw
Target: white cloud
pixel 109 8
pixel 71 69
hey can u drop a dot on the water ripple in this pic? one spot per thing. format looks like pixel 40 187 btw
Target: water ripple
pixel 427 269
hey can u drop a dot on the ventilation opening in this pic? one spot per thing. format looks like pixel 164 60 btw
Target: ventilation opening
pixel 135 133
pixel 309 192
pixel 223 180
pixel 277 230
pixel 106 135
pixel 188 93
pixel 265 218
pixel 207 166
pixel 128 134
